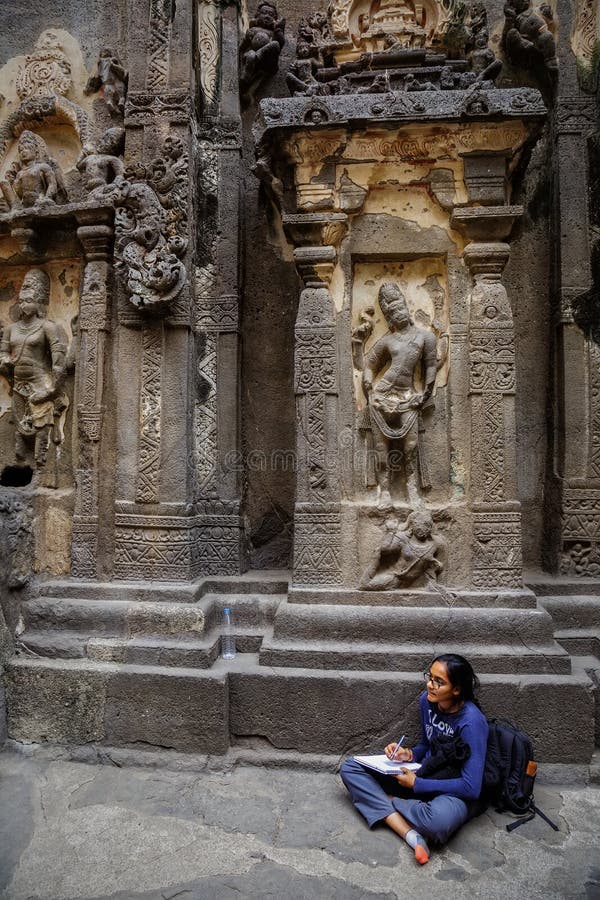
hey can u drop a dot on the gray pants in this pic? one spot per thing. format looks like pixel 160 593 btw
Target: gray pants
pixel 435 819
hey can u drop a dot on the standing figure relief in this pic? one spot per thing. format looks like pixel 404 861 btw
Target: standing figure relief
pixel 33 357
pixel 398 380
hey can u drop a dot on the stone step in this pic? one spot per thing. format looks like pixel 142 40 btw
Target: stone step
pixel 562 585
pixel 122 618
pixel 392 625
pixel 573 611
pixel 164 652
pixel 310 711
pixel 117 617
pixel 439 597
pixel 580 641
pixel 410 657
pixel 259 582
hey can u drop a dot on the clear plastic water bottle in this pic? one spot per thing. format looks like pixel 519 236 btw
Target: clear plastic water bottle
pixel 227 638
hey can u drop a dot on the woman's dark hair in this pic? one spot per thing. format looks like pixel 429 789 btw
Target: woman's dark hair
pixel 461 675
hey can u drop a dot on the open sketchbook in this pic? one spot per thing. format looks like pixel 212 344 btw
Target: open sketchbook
pixel 381 763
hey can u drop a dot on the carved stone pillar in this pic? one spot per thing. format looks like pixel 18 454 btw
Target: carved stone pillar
pixel 155 524
pixel 217 491
pixel 577 452
pixel 496 511
pixel 95 232
pixel 317 525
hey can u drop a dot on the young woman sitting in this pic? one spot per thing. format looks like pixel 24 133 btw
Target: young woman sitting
pixel 452 753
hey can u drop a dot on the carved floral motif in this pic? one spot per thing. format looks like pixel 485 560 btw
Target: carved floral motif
pixel 46 71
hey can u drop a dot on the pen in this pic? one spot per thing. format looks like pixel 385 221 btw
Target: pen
pixel 397 747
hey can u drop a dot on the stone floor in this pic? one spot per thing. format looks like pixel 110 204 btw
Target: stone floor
pixel 73 830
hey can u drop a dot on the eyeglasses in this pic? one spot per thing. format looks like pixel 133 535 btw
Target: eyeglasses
pixel 437 681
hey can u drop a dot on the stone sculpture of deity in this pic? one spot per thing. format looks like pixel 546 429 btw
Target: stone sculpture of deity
pixel 408 553
pixel 397 398
pixel 35 178
pixel 33 357
pixel 101 165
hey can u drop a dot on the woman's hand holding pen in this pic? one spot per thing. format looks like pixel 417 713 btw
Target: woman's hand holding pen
pixel 402 754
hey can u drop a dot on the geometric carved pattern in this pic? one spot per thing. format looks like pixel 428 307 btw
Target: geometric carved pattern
pixel 316 360
pixel 217 314
pixel 493 447
pixel 150 414
pixel 492 360
pixel 594 376
pixel 581 514
pixel 205 419
pixel 497 550
pixel 159 39
pixel 217 545
pixel 575 115
pixel 317 547
pixel 176 548
pixel 84 549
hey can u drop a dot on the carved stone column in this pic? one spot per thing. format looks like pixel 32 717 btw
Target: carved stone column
pixel 217 491
pixel 95 232
pixel 155 525
pixel 577 452
pixel 496 511
pixel 317 525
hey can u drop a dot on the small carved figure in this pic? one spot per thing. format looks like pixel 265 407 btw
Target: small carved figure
pixel 379 85
pixel 35 178
pixel 408 553
pixel 408 356
pixel 101 166
pixel 527 39
pixel 261 46
pixel 300 78
pixel 113 77
pixel 33 358
pixel 483 60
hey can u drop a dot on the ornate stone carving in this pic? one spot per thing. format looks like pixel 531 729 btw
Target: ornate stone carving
pixel 147 490
pixel 148 107
pixel 112 77
pixel 208 45
pixel 154 547
pixel 395 404
pixel 581 532
pixel 46 71
pixel 260 47
pixel 16 540
pixel 575 115
pixel 205 413
pixel 317 547
pixel 444 106
pixel 149 241
pixel 408 554
pixel 50 110
pixel 527 38
pixel 497 550
pixel 102 165
pixel 33 357
pixel 35 178
pixel 161 16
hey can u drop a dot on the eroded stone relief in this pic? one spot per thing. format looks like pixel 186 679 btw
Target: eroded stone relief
pixel 33 359
pixel 260 47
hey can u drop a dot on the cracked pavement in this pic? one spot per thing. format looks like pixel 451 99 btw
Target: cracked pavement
pixel 72 831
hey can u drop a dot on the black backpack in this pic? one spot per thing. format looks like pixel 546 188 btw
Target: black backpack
pixel 509 773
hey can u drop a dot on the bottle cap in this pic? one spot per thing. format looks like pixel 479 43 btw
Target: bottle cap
pixel 227 611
